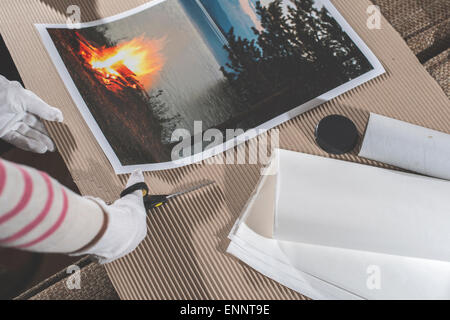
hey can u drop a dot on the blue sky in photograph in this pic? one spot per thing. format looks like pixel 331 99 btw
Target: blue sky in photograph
pixel 215 18
pixel 239 14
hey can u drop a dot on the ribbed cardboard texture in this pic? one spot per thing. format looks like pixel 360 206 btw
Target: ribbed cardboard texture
pixel 184 255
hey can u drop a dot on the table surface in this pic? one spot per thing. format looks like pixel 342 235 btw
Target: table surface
pixel 184 255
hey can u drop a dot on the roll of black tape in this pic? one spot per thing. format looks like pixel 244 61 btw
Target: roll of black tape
pixel 336 134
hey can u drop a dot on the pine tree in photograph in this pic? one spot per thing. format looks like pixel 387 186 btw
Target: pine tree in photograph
pixel 245 58
pixel 300 54
pixel 348 56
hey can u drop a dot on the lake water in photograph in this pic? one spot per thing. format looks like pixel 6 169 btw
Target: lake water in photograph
pixel 191 79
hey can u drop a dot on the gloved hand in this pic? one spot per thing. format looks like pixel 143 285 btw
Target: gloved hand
pixel 20 113
pixel 127 225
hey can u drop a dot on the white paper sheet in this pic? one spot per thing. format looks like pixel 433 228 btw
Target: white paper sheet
pixel 252 243
pixel 328 272
pixel 407 146
pixel 342 204
pixel 372 275
pixel 321 272
pixel 268 259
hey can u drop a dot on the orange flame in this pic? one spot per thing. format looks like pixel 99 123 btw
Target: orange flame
pixel 139 59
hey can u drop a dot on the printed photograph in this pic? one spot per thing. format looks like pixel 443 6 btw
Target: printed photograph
pixel 231 64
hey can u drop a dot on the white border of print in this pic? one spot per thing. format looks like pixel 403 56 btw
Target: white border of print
pixel 107 149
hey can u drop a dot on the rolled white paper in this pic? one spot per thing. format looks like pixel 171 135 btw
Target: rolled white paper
pixel 407 146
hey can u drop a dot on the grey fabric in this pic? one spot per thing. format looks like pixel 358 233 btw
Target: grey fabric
pixel 424 24
pixel 94 285
pixel 439 68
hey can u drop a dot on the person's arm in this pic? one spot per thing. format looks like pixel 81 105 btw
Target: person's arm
pixel 39 214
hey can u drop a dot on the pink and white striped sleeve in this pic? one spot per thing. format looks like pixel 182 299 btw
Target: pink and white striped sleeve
pixel 39 214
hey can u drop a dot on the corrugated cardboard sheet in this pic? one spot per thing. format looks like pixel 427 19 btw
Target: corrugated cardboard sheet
pixel 184 253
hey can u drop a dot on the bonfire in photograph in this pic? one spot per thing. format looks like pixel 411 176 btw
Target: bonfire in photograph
pixel 132 63
pixel 117 80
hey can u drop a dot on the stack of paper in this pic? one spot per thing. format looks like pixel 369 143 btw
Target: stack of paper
pixel 332 229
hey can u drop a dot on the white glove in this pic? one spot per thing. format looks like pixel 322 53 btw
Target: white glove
pixel 127 225
pixel 20 110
